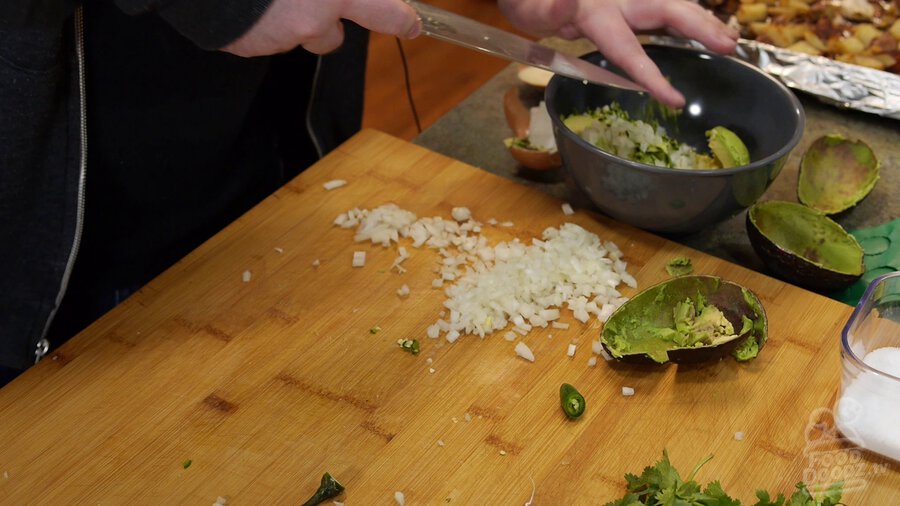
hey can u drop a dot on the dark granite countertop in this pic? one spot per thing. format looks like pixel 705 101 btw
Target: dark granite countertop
pixel 473 132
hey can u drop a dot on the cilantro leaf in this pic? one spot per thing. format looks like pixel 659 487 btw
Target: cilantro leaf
pixel 661 485
pixel 765 499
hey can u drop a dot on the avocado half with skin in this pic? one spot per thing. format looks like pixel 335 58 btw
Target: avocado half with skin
pixel 646 328
pixel 836 174
pixel 803 246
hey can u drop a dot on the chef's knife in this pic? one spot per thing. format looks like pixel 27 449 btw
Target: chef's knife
pixel 466 32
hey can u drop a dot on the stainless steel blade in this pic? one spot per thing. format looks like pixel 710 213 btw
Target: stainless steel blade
pixel 466 32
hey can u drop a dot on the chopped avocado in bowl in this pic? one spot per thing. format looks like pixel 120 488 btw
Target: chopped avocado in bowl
pixel 687 319
pixel 613 130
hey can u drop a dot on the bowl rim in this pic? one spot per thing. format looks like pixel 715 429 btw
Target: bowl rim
pixel 781 153
pixel 846 349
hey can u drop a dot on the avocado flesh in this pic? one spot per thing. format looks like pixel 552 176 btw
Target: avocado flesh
pixel 807 234
pixel 693 327
pixel 578 122
pixel 687 319
pixel 836 174
pixel 727 147
pixel 680 266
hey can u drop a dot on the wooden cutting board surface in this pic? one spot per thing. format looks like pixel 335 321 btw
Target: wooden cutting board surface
pixel 264 385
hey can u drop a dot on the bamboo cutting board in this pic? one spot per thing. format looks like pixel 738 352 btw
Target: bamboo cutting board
pixel 264 385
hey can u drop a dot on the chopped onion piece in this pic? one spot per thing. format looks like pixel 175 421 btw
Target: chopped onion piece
pixel 400 498
pixel 334 183
pixel 524 351
pixel 246 276
pixel 461 214
pixel 359 258
pixel 452 336
pixel 571 351
pixel 627 391
pixel 440 442
pixel 606 356
pixel 403 291
pixel 540 131
pixel 433 331
pixel 558 325
pixel 592 361
pixel 738 436
pixel 510 336
pixel 316 263
pixel 567 209
pixel 279 250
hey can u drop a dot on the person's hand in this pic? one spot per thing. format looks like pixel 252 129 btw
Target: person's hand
pixel 316 25
pixel 610 24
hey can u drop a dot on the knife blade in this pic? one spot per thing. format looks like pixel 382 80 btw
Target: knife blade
pixel 449 27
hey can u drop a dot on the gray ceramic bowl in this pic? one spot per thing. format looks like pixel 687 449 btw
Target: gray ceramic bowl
pixel 719 90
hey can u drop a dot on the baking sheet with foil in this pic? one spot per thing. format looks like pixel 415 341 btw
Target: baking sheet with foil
pixel 841 84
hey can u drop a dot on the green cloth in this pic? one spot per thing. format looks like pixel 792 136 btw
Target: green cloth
pixel 881 245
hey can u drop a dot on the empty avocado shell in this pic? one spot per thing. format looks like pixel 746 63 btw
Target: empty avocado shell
pixel 645 329
pixel 803 246
pixel 836 174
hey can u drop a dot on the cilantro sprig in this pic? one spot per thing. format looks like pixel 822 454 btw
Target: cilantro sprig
pixel 662 485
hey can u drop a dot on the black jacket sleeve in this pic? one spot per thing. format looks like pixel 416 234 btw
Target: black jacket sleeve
pixel 211 24
pixel 35 14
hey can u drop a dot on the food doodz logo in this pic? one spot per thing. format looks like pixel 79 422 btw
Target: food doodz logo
pixel 833 455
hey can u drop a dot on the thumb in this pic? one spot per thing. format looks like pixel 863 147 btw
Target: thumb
pixel 391 17
pixel 330 39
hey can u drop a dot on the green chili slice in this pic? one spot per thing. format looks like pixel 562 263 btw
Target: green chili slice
pixel 571 401
pixel 327 489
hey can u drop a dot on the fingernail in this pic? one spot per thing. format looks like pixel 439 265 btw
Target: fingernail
pixel 414 30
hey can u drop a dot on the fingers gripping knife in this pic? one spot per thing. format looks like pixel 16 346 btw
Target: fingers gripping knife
pixel 449 27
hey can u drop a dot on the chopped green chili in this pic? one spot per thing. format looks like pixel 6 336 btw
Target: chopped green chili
pixel 327 489
pixel 186 464
pixel 410 345
pixel 571 401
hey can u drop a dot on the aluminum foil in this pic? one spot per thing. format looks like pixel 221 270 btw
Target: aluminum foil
pixel 837 83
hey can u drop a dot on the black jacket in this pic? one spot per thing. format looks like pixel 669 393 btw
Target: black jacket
pixel 125 141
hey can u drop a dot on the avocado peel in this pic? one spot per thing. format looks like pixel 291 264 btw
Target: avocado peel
pixel 836 173
pixel 803 246
pixel 687 319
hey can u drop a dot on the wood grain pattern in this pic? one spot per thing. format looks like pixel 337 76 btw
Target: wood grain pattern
pixel 267 384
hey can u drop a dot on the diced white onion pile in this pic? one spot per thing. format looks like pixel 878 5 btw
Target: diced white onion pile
pixel 490 287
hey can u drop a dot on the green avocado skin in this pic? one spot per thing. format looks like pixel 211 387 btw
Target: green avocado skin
pixel 792 267
pixel 687 319
pixel 836 173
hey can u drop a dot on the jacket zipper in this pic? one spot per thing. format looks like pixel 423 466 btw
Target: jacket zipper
pixel 312 98
pixel 43 346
